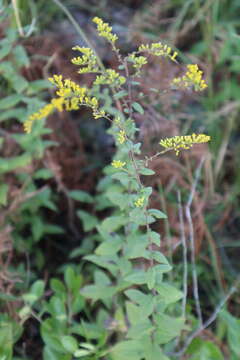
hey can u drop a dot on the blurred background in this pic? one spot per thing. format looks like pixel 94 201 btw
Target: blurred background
pixel 41 228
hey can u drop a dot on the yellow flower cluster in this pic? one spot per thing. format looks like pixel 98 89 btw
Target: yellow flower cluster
pixel 67 88
pixel 159 49
pixel 193 77
pixel 178 143
pixel 110 77
pixel 105 30
pixel 139 202
pixel 117 164
pixel 88 60
pixel 138 61
pixel 71 97
pixel 56 104
pixel 121 137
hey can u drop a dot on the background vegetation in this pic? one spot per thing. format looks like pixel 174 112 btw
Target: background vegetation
pixel 52 182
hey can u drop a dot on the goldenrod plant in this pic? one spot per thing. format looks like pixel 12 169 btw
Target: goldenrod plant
pixel 139 316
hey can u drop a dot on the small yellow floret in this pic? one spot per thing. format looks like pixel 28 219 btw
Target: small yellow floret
pixel 118 164
pixel 178 143
pixel 192 77
pixel 139 202
pixel 121 137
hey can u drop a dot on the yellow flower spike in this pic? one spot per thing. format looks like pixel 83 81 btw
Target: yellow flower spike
pixel 97 114
pixel 121 137
pixel 88 60
pixel 110 77
pixel 192 77
pixel 117 164
pixel 27 126
pixel 139 202
pixel 104 30
pixel 178 143
pixel 159 49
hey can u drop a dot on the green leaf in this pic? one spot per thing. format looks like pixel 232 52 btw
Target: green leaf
pixel 107 262
pixel 168 293
pixel 89 221
pixel 38 85
pixel 163 268
pixel 146 171
pixel 37 288
pixel 138 216
pixel 98 292
pixel 121 200
pixel 72 280
pixel 113 223
pixel 137 277
pixel 51 335
pixel 151 277
pixel 80 353
pixel 157 214
pixel 155 238
pixel 233 331
pixel 13 163
pixel 167 328
pixel 57 309
pixel 5 50
pixel 109 247
pixel 204 350
pixel 21 56
pixel 3 194
pixel 137 107
pixel 69 343
pixel 140 329
pixel 43 174
pixel 152 351
pixel 69 277
pixel 138 296
pixel 129 349
pixel 120 94
pixel 58 286
pixel 10 101
pixel 80 195
pixel 159 257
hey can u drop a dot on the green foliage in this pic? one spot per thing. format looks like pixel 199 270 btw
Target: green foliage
pixel 119 302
